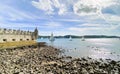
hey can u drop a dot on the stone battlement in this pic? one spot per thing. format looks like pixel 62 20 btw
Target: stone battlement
pixel 10 35
pixel 14 32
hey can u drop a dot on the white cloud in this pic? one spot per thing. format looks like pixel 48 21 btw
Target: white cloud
pixel 85 7
pixel 62 9
pixel 79 7
pixel 56 3
pixel 52 25
pixel 49 6
pixel 112 18
pixel 24 25
pixel 9 13
pixel 77 29
pixel 90 7
pixel 91 27
pixel 106 3
pixel 56 33
pixel 18 25
pixel 45 5
pixel 86 29
pixel 69 20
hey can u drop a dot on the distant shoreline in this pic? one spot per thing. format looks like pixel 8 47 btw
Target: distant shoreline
pixel 85 36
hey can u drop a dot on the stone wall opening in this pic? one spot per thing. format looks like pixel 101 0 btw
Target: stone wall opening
pixel 11 35
pixel 13 39
pixel 4 40
pixel 21 39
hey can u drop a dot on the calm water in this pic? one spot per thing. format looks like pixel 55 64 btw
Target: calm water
pixel 96 48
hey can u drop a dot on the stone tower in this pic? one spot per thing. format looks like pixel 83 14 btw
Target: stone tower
pixel 35 33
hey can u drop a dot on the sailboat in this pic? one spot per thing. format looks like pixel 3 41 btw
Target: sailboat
pixel 41 38
pixel 83 39
pixel 70 38
pixel 52 38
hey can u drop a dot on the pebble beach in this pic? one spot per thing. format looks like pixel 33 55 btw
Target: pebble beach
pixel 37 59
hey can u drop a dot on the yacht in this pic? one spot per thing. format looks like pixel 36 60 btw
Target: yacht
pixel 41 38
pixel 83 39
pixel 70 38
pixel 52 38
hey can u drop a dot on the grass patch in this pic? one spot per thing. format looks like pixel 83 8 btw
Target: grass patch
pixel 16 44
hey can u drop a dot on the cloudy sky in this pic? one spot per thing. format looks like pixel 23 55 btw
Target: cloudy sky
pixel 77 17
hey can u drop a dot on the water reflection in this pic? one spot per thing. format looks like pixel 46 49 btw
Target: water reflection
pixel 51 43
pixel 100 53
pixel 95 48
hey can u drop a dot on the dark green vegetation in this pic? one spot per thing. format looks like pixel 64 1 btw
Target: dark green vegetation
pixel 85 36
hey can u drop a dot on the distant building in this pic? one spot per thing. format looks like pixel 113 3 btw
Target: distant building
pixel 9 35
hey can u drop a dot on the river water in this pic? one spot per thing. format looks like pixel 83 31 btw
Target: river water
pixel 105 48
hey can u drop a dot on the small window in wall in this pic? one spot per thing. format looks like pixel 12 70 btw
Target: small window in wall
pixel 13 39
pixel 27 39
pixel 4 40
pixel 21 39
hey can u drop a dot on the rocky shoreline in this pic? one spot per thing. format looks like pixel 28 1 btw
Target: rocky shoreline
pixel 44 59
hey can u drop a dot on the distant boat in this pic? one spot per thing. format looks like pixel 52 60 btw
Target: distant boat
pixel 83 39
pixel 41 38
pixel 52 38
pixel 70 38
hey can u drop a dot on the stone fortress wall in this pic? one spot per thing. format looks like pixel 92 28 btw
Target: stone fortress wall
pixel 10 35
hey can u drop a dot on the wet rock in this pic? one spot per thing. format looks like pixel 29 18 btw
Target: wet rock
pixel 84 71
pixel 21 73
pixel 45 60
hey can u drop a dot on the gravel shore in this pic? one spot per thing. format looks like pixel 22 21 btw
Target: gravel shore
pixel 46 60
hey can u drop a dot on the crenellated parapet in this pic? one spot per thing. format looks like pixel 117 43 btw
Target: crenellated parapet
pixel 11 35
pixel 4 31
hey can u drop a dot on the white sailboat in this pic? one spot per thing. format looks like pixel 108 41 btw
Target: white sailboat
pixel 41 38
pixel 70 38
pixel 52 38
pixel 83 39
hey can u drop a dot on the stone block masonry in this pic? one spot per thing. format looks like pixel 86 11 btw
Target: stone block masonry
pixel 9 35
